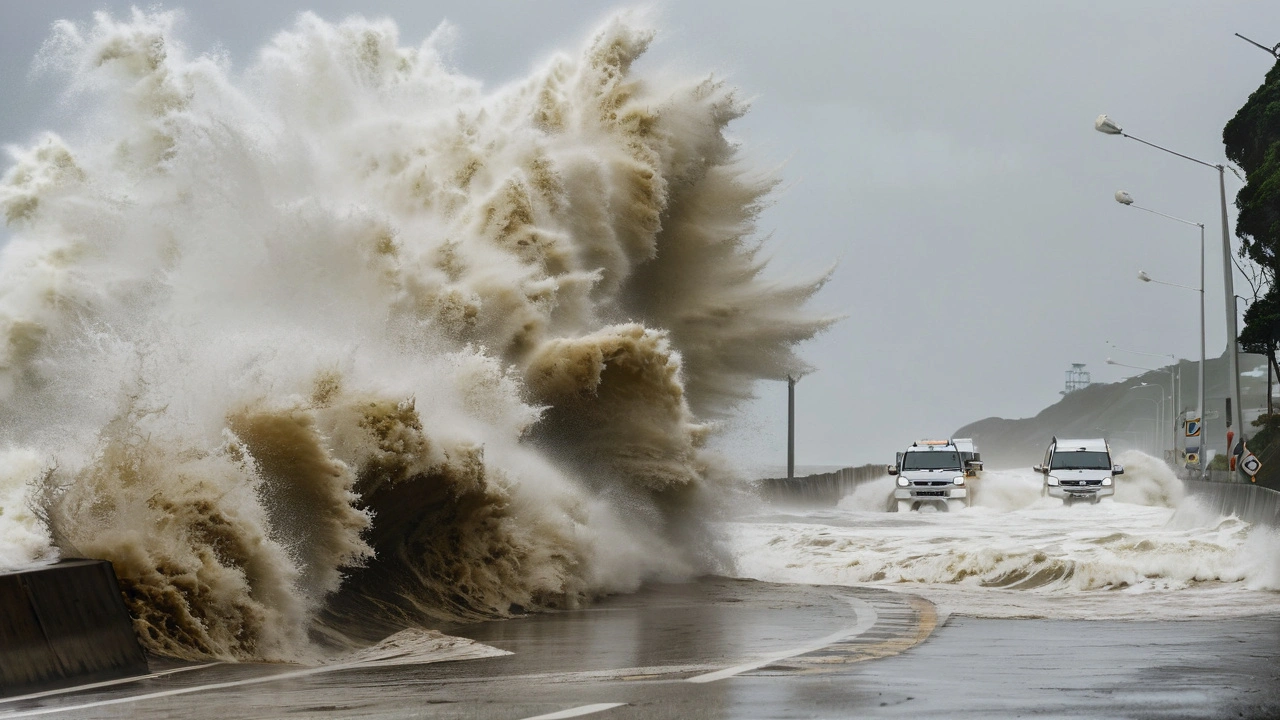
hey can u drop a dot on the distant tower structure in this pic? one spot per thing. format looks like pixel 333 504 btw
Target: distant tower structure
pixel 1077 378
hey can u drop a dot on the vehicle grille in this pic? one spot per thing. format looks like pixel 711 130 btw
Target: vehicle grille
pixel 931 483
pixel 1078 483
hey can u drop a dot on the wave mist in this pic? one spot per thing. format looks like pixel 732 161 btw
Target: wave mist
pixel 347 341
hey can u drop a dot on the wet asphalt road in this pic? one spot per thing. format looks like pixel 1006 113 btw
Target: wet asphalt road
pixel 724 648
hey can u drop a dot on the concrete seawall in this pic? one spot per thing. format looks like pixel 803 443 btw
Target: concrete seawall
pixel 823 489
pixel 1249 502
pixel 64 624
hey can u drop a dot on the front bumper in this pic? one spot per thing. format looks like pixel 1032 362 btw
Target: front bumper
pixel 1080 491
pixel 930 493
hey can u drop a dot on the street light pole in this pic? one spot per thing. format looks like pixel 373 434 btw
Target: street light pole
pixel 1233 340
pixel 791 428
pixel 1273 51
pixel 1159 409
pixel 1175 383
pixel 1157 444
pixel 1106 125
pixel 1157 385
pixel 1126 199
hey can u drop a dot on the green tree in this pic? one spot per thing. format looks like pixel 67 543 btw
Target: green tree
pixel 1252 140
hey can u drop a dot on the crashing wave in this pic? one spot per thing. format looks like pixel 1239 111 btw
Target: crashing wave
pixel 347 341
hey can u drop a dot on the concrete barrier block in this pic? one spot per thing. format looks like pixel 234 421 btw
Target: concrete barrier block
pixel 64 624
pixel 1249 502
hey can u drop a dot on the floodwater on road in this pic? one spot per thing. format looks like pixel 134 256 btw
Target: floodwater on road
pixel 1147 607
pixel 1152 553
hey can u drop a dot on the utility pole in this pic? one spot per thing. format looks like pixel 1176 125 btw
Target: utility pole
pixel 791 428
pixel 1106 125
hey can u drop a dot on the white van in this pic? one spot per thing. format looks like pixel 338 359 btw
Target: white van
pixel 1078 470
pixel 935 473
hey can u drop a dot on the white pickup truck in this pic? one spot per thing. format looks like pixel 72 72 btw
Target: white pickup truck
pixel 1078 470
pixel 936 474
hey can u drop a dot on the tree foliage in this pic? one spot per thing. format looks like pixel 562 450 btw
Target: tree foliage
pixel 1252 140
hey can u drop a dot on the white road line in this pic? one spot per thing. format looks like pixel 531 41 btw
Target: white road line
pixel 577 712
pixel 105 683
pixel 867 618
pixel 183 691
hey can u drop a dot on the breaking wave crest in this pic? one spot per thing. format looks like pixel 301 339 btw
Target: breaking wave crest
pixel 346 341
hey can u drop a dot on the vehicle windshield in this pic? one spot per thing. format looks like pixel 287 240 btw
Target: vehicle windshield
pixel 1080 460
pixel 931 460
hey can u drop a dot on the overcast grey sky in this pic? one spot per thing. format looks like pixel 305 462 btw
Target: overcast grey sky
pixel 941 152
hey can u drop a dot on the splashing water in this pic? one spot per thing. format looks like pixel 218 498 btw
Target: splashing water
pixel 1147 481
pixel 24 539
pixel 870 496
pixel 1006 490
pixel 1151 552
pixel 347 341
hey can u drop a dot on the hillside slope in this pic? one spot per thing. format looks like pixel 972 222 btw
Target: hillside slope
pixel 1124 415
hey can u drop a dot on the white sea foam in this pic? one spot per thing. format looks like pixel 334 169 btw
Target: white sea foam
pixel 1262 564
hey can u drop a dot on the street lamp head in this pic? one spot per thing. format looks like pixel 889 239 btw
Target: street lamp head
pixel 1124 198
pixel 1143 276
pixel 1106 125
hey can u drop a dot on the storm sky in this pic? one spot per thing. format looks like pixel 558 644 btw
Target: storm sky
pixel 941 154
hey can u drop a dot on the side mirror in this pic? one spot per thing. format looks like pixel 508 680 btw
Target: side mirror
pixel 891 469
pixel 1117 469
pixel 1037 468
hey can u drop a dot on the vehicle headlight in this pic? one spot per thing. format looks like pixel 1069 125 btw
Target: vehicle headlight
pixel 1052 481
pixel 1106 481
pixel 903 482
pixel 958 480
